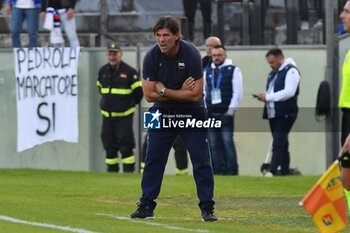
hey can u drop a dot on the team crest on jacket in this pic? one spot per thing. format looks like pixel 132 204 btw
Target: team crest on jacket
pixel 123 76
pixel 181 65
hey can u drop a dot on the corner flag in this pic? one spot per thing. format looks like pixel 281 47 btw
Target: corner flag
pixel 326 203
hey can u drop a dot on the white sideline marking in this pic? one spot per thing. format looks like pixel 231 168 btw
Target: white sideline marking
pixel 63 228
pixel 149 222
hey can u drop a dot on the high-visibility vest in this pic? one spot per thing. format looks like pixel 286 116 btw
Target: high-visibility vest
pixel 344 99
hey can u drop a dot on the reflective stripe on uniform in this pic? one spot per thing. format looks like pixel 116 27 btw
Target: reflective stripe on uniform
pixel 112 161
pixel 121 91
pixel 142 167
pixel 98 83
pixel 118 114
pixel 136 85
pixel 182 171
pixel 129 160
pixel 116 91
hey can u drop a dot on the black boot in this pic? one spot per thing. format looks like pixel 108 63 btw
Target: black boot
pixel 129 167
pixel 113 168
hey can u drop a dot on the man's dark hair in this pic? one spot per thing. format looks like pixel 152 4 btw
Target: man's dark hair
pixel 221 46
pixel 168 22
pixel 274 52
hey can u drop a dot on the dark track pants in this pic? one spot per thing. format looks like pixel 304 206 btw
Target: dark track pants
pixel 159 144
pixel 280 128
pixel 180 153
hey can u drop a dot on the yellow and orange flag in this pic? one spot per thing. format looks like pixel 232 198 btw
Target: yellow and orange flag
pixel 326 202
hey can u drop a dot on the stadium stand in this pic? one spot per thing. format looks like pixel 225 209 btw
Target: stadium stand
pixel 131 25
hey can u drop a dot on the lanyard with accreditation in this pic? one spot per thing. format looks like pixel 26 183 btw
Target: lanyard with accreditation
pixel 216 92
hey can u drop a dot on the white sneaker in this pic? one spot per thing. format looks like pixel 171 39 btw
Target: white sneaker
pixel 268 174
pixel 318 24
pixel 304 25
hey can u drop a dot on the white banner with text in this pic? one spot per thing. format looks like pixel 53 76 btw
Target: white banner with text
pixel 47 95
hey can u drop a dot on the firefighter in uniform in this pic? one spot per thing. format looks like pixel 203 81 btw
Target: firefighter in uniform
pixel 120 89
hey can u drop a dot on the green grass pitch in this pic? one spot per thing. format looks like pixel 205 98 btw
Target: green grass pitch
pixel 35 201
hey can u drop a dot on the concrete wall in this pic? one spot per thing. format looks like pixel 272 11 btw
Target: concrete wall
pixel 252 136
pixel 307 141
pixel 88 154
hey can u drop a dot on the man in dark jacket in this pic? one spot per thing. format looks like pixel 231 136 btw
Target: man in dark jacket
pixel 120 87
pixel 173 82
pixel 281 107
pixel 223 95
